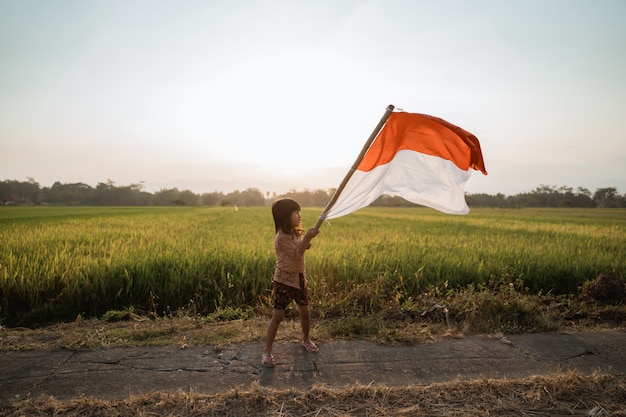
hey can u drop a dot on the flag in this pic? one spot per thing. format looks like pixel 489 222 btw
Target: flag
pixel 418 157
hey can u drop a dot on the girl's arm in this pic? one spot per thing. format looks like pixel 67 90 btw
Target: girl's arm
pixel 306 241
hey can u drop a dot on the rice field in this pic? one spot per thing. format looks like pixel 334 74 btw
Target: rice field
pixel 57 263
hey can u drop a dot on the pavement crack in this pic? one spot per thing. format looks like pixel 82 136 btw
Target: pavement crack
pixel 51 373
pixel 586 352
pixel 188 370
pixel 316 369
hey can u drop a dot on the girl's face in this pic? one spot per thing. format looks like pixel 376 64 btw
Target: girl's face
pixel 295 219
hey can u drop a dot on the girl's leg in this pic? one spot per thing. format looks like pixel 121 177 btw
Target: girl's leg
pixel 272 329
pixel 305 322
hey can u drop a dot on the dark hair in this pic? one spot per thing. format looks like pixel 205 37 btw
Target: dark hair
pixel 281 211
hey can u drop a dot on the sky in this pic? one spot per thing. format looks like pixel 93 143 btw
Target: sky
pixel 279 95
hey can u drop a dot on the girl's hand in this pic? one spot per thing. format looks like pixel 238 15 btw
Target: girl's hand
pixel 311 233
pixel 306 240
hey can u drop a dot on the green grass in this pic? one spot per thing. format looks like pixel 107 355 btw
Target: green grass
pixel 57 263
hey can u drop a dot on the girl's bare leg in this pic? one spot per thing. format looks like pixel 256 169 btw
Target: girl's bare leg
pixel 305 322
pixel 272 329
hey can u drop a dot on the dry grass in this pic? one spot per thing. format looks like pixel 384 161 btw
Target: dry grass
pixel 569 394
pixel 96 333
pixel 391 327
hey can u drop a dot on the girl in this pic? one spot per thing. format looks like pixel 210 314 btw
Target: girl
pixel 290 281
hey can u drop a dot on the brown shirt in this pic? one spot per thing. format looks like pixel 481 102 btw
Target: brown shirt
pixel 289 264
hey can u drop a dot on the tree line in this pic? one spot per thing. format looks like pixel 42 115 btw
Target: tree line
pixel 13 192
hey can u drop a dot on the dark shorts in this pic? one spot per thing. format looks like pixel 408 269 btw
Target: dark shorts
pixel 283 294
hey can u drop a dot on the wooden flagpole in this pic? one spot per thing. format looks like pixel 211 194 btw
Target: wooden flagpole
pixel 367 145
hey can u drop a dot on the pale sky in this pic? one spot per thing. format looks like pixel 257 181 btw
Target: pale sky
pixel 277 95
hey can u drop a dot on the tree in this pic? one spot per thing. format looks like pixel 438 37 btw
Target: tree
pixel 251 197
pixel 211 199
pixel 582 198
pixel 165 197
pixel 67 194
pixel 189 198
pixel 606 197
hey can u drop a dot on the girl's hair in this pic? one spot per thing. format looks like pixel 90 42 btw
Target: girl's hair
pixel 281 211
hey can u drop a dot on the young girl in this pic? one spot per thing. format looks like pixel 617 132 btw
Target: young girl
pixel 290 281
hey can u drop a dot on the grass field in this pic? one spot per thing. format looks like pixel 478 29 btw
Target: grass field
pixel 390 275
pixel 57 263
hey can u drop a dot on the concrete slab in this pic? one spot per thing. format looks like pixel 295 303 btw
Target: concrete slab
pixel 117 373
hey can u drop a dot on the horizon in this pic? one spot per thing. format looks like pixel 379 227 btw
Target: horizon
pixel 304 190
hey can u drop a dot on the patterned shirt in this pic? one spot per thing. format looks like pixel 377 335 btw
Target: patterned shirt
pixel 289 264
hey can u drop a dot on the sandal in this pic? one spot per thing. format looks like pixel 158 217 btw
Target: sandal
pixel 310 347
pixel 268 361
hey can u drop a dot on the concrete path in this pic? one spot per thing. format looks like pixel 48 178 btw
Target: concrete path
pixel 117 373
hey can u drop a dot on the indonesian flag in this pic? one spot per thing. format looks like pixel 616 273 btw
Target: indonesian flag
pixel 418 157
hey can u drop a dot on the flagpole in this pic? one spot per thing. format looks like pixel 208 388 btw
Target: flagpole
pixel 335 196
